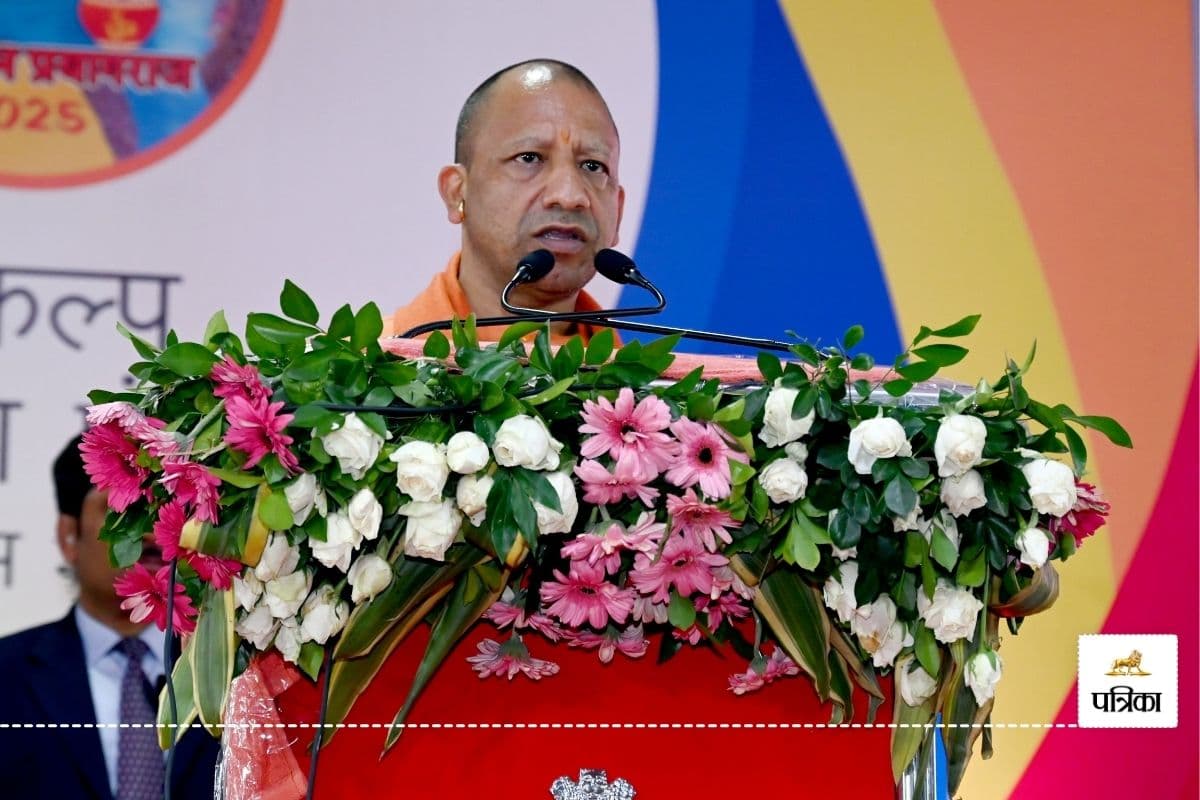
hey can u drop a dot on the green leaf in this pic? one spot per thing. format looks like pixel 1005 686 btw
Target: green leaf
pixel 1107 426
pixel 188 359
pixel 798 546
pixel 918 371
pixel 599 348
pixel 898 387
pixel 241 480
pixel 909 734
pixel 899 496
pixel 368 327
pixel 568 358
pixel 929 655
pixel 143 348
pixel 806 398
pixel 862 362
pixel 296 304
pixel 795 613
pixel 915 549
pixel 216 324
pixel 852 336
pixel 914 468
pixel 465 605
pixel 548 394
pixel 1045 415
pixel 437 346
pixel 972 567
pixel 740 473
pixel 941 548
pixel 278 330
pixel 769 367
pixel 681 612
pixel 185 704
pixel 1078 449
pixel 342 324
pixel 275 512
pixel 542 358
pixel 537 487
pixel 125 552
pixel 213 646
pixel 943 355
pixel 961 328
pixel 312 416
pixel 518 331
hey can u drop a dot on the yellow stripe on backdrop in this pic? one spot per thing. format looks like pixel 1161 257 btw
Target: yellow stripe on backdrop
pixel 952 240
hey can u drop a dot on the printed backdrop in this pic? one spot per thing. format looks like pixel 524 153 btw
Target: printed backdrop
pixel 790 166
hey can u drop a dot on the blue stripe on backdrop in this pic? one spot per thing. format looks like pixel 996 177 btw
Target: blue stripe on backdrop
pixel 752 221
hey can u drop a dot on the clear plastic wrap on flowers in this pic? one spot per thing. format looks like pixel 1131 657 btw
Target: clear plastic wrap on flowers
pixel 256 760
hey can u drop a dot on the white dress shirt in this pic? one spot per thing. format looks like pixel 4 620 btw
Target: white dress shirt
pixel 106 668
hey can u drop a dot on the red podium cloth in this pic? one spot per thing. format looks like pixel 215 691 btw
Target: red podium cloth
pixel 658 762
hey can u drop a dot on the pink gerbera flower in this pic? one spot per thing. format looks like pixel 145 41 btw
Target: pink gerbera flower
pixel 193 484
pixel 145 596
pixel 603 545
pixel 585 596
pixel 627 480
pixel 691 635
pixel 684 564
pixel 698 520
pixel 726 606
pixel 703 458
pixel 763 671
pixel 146 431
pixel 216 571
pixel 504 614
pixel 508 659
pixel 627 431
pixel 630 641
pixel 110 459
pixel 234 380
pixel 256 429
pixel 167 529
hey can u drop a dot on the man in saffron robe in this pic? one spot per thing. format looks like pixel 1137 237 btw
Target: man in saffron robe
pixel 537 156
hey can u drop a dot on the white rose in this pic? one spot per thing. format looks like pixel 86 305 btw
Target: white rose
pixel 524 441
pixel 278 558
pixel 286 594
pixel 323 615
pixel 952 612
pixel 431 528
pixel 365 514
pixel 466 453
pixel 1051 486
pixel 301 496
pixel 839 591
pixel 982 674
pixel 287 640
pixel 246 590
pixel 551 521
pixel 258 627
pixel 964 494
pixel 1034 544
pixel 472 494
pixel 959 444
pixel 871 439
pixel 879 632
pixel 341 538
pixel 421 470
pixel 354 445
pixel 842 555
pixel 914 684
pixel 778 425
pixel 784 481
pixel 796 451
pixel 913 522
pixel 369 576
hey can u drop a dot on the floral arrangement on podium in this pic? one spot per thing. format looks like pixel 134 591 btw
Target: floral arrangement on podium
pixel 321 496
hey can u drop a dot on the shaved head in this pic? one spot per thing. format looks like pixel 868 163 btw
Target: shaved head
pixel 533 72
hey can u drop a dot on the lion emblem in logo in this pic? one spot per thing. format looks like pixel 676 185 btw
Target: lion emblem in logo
pixel 1130 665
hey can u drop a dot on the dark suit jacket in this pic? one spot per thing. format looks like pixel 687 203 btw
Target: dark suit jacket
pixel 43 678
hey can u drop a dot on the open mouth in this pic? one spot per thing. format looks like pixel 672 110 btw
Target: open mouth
pixel 561 237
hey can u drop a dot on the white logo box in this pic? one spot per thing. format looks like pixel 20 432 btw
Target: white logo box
pixel 1144 693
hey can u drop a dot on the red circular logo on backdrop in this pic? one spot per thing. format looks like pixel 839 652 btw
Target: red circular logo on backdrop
pixel 93 89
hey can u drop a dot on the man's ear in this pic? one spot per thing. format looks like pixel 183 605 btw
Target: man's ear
pixel 68 537
pixel 620 213
pixel 452 186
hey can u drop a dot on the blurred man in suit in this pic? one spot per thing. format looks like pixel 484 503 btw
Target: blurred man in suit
pixel 93 667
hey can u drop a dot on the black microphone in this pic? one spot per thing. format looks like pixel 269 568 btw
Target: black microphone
pixel 531 268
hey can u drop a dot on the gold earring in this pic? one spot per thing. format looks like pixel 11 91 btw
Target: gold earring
pixel 461 210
